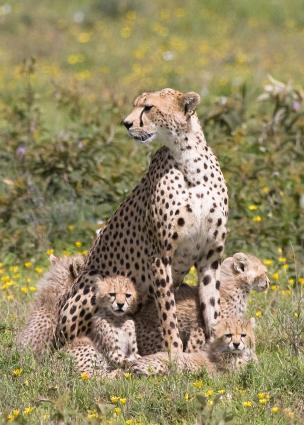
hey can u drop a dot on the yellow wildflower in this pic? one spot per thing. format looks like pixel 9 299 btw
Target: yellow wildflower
pixel 28 264
pixel 117 410
pixel 221 391
pixel 129 422
pixel 263 401
pixel 28 410
pixel 252 207
pixel 14 269
pixel 123 401
pixel 247 404
pixel 128 375
pixel 83 75
pixel 73 59
pixel 71 227
pixel 14 413
pixel 85 376
pixel 17 372
pixel 257 219
pixel 285 267
pixel 24 289
pixel 78 244
pixel 268 262
pixel 209 393
pixel 282 259
pixel 38 270
pixel 275 276
pixel 32 288
pixel 301 280
pixel 265 189
pixel 198 384
pixel 274 287
pixel 210 402
pixel 263 395
pixel 275 409
pixel 186 396
pixel 92 414
pixel 291 281
pixel 258 313
pixel 50 251
pixel 84 37
pixel 114 399
pixel 10 297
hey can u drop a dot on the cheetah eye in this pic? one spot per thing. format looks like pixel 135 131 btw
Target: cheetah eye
pixel 147 108
pixel 243 335
pixel 128 295
pixel 112 294
pixel 228 335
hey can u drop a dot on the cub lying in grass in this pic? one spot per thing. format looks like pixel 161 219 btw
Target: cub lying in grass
pixel 233 347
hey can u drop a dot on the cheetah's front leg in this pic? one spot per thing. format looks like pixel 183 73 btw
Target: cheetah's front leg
pixel 165 301
pixel 209 285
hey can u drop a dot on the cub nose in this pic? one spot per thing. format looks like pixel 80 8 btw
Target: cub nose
pixel 120 306
pixel 127 124
pixel 236 344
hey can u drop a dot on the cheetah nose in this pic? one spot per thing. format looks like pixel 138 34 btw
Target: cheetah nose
pixel 127 124
pixel 236 344
pixel 120 306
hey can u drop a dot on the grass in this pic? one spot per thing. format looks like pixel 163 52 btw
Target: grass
pixel 68 75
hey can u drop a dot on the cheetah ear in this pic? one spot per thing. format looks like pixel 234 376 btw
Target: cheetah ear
pixel 53 259
pixel 240 262
pixel 190 101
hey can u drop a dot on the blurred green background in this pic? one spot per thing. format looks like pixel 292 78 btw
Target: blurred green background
pixel 69 73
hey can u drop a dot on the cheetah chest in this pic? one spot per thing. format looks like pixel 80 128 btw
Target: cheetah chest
pixel 194 230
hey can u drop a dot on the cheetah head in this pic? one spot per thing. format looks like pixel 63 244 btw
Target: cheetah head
pixel 234 335
pixel 116 294
pixel 246 270
pixel 165 113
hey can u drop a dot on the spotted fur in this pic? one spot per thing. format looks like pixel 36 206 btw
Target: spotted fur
pixel 112 342
pixel 232 348
pixel 39 332
pixel 174 218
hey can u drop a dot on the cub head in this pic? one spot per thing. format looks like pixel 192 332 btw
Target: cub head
pixel 165 113
pixel 234 335
pixel 247 270
pixel 116 294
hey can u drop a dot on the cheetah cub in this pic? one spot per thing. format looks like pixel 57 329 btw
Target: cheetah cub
pixel 113 327
pixel 232 348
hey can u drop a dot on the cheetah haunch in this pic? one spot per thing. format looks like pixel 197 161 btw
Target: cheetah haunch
pixel 39 332
pixel 175 217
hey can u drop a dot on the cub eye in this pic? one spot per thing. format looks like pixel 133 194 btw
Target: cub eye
pixel 147 108
pixel 243 335
pixel 112 294
pixel 228 335
pixel 128 295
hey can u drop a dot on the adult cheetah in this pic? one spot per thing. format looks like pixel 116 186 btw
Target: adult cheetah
pixel 175 217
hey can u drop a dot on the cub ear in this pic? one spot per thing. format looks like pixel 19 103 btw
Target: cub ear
pixel 190 101
pixel 240 262
pixel 53 259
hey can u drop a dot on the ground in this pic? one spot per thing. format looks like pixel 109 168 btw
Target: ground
pixel 66 163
